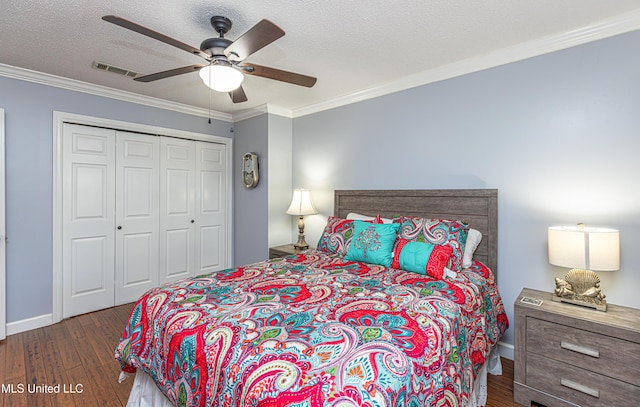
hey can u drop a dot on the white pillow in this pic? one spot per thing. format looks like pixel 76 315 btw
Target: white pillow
pixel 357 216
pixel 473 240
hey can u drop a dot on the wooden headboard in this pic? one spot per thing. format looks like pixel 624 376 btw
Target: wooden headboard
pixel 478 207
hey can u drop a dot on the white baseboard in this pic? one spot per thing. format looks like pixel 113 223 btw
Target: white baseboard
pixel 506 350
pixel 29 324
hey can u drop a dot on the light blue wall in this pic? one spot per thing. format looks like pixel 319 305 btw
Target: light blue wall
pixel 558 135
pixel 260 220
pixel 250 232
pixel 280 188
pixel 29 139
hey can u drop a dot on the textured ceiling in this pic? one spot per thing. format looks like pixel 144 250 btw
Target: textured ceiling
pixel 350 46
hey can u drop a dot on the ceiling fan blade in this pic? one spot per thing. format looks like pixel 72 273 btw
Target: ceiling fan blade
pixel 279 75
pixel 167 74
pixel 130 25
pixel 258 36
pixel 238 95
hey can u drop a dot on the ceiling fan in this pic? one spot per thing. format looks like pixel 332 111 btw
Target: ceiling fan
pixel 225 69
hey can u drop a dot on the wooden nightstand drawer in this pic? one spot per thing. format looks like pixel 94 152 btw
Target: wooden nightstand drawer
pixel 596 352
pixel 569 356
pixel 577 385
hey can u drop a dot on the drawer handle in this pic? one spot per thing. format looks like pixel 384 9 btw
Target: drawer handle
pixel 580 349
pixel 580 387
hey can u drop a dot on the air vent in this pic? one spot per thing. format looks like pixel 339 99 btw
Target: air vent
pixel 110 68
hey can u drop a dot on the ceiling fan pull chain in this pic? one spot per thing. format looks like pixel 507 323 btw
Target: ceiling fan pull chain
pixel 210 97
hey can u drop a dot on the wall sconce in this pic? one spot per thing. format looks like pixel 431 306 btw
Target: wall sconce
pixel 584 249
pixel 301 205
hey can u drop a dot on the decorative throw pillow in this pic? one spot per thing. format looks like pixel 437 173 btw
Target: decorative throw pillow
pixel 422 258
pixel 473 240
pixel 372 243
pixel 376 219
pixel 337 235
pixel 436 232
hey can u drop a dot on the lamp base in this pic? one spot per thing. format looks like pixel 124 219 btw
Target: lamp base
pixel 301 244
pixel 580 287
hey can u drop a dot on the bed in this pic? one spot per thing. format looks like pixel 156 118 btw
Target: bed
pixel 327 327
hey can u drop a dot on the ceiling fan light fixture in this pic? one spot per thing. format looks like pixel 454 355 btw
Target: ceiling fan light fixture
pixel 224 71
pixel 221 78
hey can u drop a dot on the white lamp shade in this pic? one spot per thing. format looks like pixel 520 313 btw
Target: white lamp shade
pixel 221 78
pixel 301 203
pixel 584 247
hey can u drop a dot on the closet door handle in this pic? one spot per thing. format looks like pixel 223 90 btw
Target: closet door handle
pixel 193 221
pixel 119 227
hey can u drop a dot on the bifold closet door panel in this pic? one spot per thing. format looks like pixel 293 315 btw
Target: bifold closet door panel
pixel 137 215
pixel 177 208
pixel 138 210
pixel 210 244
pixel 88 219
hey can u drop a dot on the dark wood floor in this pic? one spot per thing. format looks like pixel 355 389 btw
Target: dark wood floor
pixel 76 355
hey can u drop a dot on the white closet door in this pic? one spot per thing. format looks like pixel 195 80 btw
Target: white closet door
pixel 211 201
pixel 177 208
pixel 137 215
pixel 88 219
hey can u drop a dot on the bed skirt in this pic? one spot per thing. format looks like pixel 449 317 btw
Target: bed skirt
pixel 145 393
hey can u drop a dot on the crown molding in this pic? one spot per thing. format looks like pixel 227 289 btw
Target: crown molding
pixel 262 109
pixel 249 113
pixel 98 90
pixel 279 111
pixel 607 28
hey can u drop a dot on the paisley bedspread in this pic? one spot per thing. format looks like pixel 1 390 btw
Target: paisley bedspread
pixel 315 330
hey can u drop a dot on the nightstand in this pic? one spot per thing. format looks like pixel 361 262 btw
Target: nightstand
pixel 567 355
pixel 284 250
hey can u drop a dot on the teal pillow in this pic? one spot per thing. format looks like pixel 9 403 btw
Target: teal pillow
pixel 414 257
pixel 372 243
pixel 422 258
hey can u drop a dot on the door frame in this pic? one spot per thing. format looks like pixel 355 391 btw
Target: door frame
pixel 3 237
pixel 59 118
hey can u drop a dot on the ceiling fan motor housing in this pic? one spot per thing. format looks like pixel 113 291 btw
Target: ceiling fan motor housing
pixel 215 46
pixel 221 24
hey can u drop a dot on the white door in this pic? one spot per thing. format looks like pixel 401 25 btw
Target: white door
pixel 177 208
pixel 137 215
pixel 137 211
pixel 211 201
pixel 88 219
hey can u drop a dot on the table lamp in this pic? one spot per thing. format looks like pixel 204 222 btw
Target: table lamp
pixel 301 205
pixel 583 249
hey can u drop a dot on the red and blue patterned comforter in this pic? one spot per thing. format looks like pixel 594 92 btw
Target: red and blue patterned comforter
pixel 315 330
